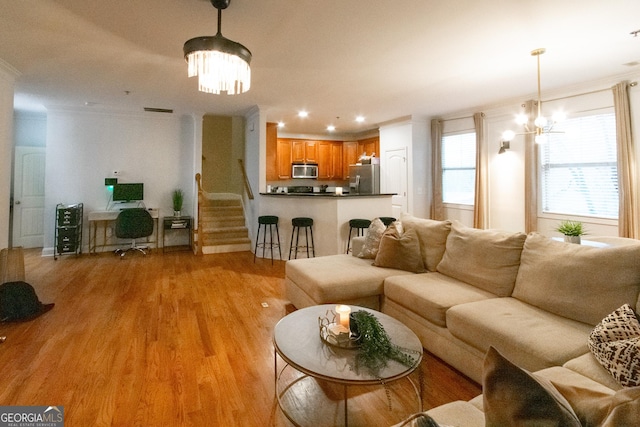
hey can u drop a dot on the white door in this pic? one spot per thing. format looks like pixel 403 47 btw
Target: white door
pixel 396 179
pixel 28 197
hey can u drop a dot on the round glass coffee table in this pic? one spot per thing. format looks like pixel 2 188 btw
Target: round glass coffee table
pixel 322 373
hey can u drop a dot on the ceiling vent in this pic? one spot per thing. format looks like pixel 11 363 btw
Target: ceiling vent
pixel 158 110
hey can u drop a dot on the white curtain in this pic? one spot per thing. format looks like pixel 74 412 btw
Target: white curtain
pixel 437 208
pixel 530 175
pixel 480 197
pixel 629 211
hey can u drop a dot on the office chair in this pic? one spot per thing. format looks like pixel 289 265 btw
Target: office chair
pixel 133 224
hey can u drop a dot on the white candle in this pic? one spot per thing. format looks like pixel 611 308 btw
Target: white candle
pixel 338 191
pixel 344 311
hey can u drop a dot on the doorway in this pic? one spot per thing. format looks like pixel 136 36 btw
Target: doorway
pixel 28 197
pixel 396 180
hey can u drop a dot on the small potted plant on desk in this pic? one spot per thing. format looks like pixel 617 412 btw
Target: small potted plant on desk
pixel 178 198
pixel 572 230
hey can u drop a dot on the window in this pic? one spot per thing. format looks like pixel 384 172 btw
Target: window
pixel 459 168
pixel 579 168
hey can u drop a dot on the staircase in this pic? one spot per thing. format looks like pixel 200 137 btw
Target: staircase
pixel 222 224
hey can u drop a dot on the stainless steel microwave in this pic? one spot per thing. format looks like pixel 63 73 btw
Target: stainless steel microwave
pixel 306 170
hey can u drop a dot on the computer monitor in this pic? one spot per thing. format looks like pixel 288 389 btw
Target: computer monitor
pixel 128 192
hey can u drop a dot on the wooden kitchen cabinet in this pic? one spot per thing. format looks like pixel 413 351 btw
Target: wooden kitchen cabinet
pixel 337 160
pixel 304 151
pixel 369 146
pixel 284 156
pixel 272 152
pixel 350 156
pixel 329 159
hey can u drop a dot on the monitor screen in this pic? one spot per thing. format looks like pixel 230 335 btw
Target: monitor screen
pixel 128 192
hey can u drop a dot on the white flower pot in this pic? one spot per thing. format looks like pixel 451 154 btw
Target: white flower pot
pixel 572 239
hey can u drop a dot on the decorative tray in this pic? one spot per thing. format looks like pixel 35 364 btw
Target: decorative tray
pixel 335 334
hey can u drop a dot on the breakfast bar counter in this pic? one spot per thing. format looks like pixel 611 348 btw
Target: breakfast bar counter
pixel 330 213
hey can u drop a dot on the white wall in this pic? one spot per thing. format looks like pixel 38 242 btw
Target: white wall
pixel 84 147
pixel 30 129
pixel 411 135
pixel 7 79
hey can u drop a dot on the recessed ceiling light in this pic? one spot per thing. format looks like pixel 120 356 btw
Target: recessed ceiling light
pixel 360 119
pixel 331 128
pixel 280 124
pixel 303 114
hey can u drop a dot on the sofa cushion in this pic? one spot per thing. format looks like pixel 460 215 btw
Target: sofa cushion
pixel 399 249
pixel 430 295
pixel 488 259
pixel 588 366
pixel 336 278
pixel 513 396
pixel 615 343
pixel 530 337
pixel 372 239
pixel 586 283
pixel 432 235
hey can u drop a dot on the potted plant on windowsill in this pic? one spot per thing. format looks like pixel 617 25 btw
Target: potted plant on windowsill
pixel 177 197
pixel 572 230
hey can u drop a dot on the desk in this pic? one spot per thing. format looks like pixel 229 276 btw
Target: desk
pixel 103 219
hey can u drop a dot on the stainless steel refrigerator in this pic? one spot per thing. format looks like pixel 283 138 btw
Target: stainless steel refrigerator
pixel 364 179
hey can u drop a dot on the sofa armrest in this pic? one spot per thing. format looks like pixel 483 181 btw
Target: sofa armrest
pixel 357 243
pixel 11 265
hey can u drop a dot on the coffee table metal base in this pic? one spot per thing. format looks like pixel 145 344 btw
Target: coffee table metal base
pixel 317 378
pixel 286 388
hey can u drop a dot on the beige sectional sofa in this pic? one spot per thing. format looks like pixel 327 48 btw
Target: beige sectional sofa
pixel 533 299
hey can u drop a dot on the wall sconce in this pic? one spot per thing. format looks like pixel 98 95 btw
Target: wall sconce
pixel 504 146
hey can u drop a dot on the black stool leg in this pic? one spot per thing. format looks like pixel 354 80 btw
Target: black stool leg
pixel 313 245
pixel 297 243
pixel 270 242
pixel 293 233
pixel 306 240
pixel 349 240
pixel 278 234
pixel 255 250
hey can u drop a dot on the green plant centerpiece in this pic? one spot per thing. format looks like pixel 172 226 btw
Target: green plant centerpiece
pixel 572 230
pixel 177 197
pixel 376 348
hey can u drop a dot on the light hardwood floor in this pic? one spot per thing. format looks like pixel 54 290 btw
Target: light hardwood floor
pixel 163 340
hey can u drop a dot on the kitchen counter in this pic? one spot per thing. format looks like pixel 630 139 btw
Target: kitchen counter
pixel 344 195
pixel 330 214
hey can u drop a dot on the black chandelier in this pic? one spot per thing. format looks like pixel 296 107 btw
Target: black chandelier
pixel 221 65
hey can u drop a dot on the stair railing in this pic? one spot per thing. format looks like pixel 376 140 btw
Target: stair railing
pixel 197 233
pixel 247 184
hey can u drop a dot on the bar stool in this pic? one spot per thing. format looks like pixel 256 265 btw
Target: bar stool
pixel 267 221
pixel 387 220
pixel 307 224
pixel 360 225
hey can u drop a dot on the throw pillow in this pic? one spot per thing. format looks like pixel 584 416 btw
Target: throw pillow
pixel 372 240
pixel 615 343
pixel 486 259
pixel 513 396
pixel 432 235
pixel 596 408
pixel 400 250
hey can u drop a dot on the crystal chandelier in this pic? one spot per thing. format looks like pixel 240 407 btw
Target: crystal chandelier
pixel 542 125
pixel 221 65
